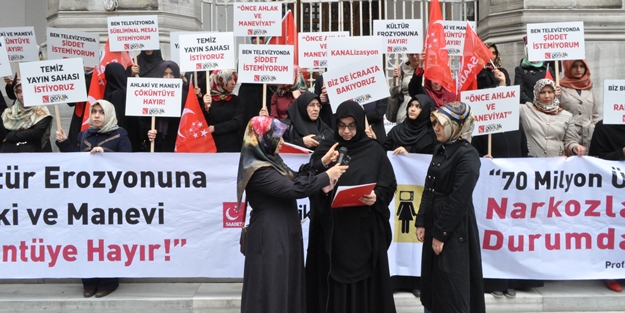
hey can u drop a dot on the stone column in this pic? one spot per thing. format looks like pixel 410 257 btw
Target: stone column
pixel 504 22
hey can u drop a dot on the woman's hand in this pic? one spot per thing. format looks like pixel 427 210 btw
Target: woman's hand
pixel 400 150
pixel 558 91
pixel 370 133
pixel 330 156
pixel 296 93
pixel 499 75
pixel 421 234
pixel 134 70
pixel 208 100
pixel 184 79
pixel 335 172
pixel 368 199
pixel 309 142
pixel 60 135
pixel 211 129
pixel 488 156
pixel 97 150
pixel 421 59
pixel 323 97
pixel 579 150
pixel 198 91
pixel 263 112
pixel 396 72
pixel 437 246
pixel 152 134
pixel 8 80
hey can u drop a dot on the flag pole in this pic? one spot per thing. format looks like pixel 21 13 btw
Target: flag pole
pixel 58 117
pixel 396 65
pixel 557 73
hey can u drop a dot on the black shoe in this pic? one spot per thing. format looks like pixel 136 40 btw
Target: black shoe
pixel 510 293
pixel 88 293
pixel 497 294
pixel 416 292
pixel 103 293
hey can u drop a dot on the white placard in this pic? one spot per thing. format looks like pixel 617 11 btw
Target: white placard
pixel 613 101
pixel 161 97
pixel 454 35
pixel 174 45
pixel 5 65
pixel 257 19
pixel 63 44
pixel 346 50
pixel 21 43
pixel 53 82
pixel 313 48
pixel 272 64
pixel 496 110
pixel 363 82
pixel 556 41
pixel 207 52
pixel 139 32
pixel 402 36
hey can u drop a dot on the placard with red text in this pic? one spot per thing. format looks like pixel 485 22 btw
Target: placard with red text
pixel 21 43
pixel 313 48
pixel 53 82
pixel 174 45
pixel 362 82
pixel 63 43
pixel 613 101
pixel 5 65
pixel 454 35
pixel 271 64
pixel 556 41
pixel 128 33
pixel 496 110
pixel 257 19
pixel 346 50
pixel 402 36
pixel 207 52
pixel 161 97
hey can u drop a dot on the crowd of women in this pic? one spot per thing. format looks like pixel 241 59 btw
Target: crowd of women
pixel 346 264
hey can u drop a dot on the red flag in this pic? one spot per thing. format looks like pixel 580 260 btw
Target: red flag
pixel 289 34
pixel 436 63
pixel 548 74
pixel 122 58
pixel 474 57
pixel 193 134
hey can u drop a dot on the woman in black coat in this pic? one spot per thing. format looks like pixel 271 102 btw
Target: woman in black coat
pixel 487 77
pixel 451 262
pixel 223 112
pixel 415 134
pixel 347 263
pixel 528 73
pixel 27 128
pixel 306 129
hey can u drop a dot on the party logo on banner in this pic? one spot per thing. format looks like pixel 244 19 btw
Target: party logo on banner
pixel 233 217
pixel 407 200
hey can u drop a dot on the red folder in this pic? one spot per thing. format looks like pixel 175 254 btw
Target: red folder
pixel 347 196
pixel 291 148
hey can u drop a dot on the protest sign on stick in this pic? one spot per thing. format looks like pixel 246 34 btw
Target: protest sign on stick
pixel 21 44
pixel 556 41
pixel 257 19
pixel 313 48
pixel 153 97
pixel 346 50
pixel 207 51
pixel 454 35
pixel 496 110
pixel 131 33
pixel 401 36
pixel 63 43
pixel 272 64
pixel 613 104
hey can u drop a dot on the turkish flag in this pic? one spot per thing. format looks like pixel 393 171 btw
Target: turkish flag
pixel 474 57
pixel 289 34
pixel 548 74
pixel 193 134
pixel 436 63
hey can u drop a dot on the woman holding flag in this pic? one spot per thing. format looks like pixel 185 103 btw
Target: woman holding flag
pixel 223 112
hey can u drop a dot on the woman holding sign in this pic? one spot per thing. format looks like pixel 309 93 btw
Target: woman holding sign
pixel 578 99
pixel 223 112
pixel 347 264
pixel 273 277
pixel 451 262
pixel 28 128
pixel 529 72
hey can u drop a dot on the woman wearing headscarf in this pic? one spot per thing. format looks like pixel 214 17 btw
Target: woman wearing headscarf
pixel 549 129
pixel 166 128
pixel 27 128
pixel 415 133
pixel 404 73
pixel 79 110
pixel 492 76
pixel 273 276
pixel 528 73
pixel 306 129
pixel 451 262
pixel 223 112
pixel 433 89
pixel 284 97
pixel 115 93
pixel 347 263
pixel 578 99
pixel 103 135
pixel 148 62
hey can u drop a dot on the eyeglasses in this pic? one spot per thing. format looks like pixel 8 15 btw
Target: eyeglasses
pixel 315 105
pixel 351 126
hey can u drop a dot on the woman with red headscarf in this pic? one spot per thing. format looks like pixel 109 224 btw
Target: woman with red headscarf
pixel 578 99
pixel 434 89
pixel 223 112
pixel 286 94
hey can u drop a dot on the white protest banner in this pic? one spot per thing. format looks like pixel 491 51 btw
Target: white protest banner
pixel 21 43
pixel 346 50
pixel 63 44
pixel 174 45
pixel 496 110
pixel 207 51
pixel 454 35
pixel 53 81
pixel 266 64
pixel 138 32
pixel 5 64
pixel 402 36
pixel 556 41
pixel 313 48
pixel 160 97
pixel 362 82
pixel 613 104
pixel 257 19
